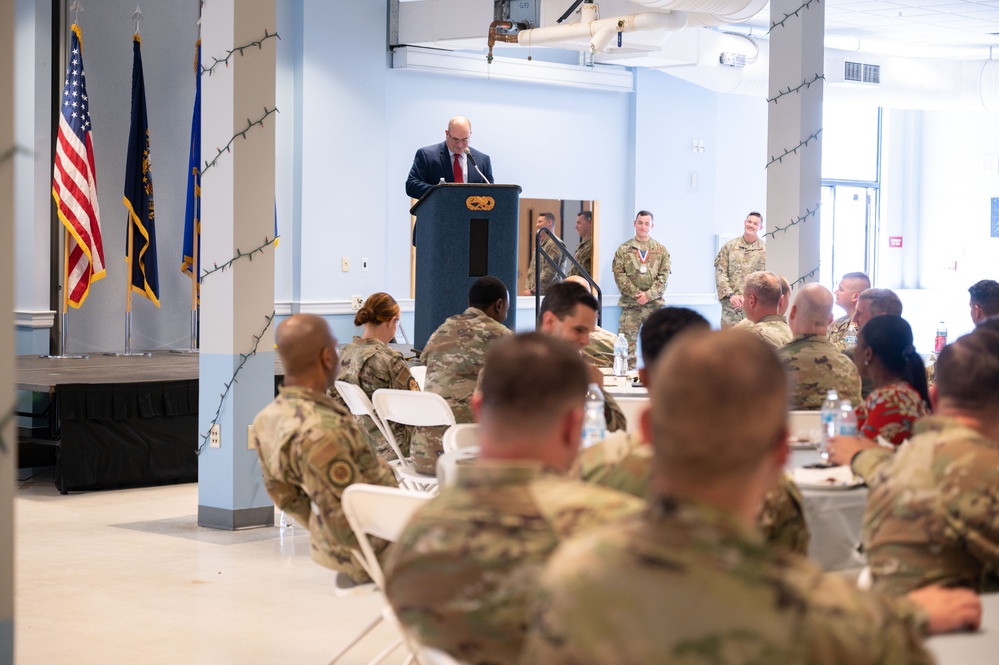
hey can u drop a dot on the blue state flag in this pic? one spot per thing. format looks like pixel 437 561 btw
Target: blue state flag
pixel 192 216
pixel 138 197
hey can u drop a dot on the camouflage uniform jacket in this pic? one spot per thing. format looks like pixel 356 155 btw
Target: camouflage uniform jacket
pixel 584 256
pixel 837 331
pixel 623 462
pixel 933 510
pixel 465 566
pixel 455 354
pixel 548 273
pixel 372 364
pixel 817 367
pixel 734 262
pixel 773 330
pixel 600 351
pixel 685 582
pixel 631 281
pixel 310 450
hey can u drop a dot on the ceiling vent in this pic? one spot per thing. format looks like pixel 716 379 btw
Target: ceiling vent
pixel 856 72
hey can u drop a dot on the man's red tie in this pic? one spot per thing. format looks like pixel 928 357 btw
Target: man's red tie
pixel 458 177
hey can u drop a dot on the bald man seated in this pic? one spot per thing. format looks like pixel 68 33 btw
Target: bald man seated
pixel 310 447
pixel 814 362
pixel 689 579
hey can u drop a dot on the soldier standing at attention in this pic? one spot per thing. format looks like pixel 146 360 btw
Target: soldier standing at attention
pixel 310 448
pixel 549 276
pixel 690 579
pixel 641 268
pixel 815 365
pixel 463 571
pixel 584 253
pixel 735 261
pixel 370 363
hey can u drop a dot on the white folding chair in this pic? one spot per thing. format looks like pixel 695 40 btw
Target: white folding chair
pixel 462 435
pixel 417 409
pixel 419 373
pixel 360 405
pixel 382 512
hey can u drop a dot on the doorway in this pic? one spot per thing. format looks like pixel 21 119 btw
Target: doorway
pixel 849 230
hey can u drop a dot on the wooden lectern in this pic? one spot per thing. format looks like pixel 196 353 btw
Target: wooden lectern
pixel 463 232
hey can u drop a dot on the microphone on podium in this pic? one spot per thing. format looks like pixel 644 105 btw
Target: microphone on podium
pixel 468 153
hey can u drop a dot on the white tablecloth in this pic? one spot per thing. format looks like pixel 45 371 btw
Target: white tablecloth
pixel 980 648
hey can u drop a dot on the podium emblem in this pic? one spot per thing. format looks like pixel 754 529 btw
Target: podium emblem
pixel 480 202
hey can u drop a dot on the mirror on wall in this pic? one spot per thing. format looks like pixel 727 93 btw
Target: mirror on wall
pixel 565 211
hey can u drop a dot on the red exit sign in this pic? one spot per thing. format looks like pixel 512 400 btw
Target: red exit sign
pixel 894 241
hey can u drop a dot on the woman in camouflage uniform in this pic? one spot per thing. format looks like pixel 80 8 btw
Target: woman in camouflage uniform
pixel 370 363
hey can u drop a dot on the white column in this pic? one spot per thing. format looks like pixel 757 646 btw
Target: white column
pixel 237 215
pixel 794 143
pixel 8 441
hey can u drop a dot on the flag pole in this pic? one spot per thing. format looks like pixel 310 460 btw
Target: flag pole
pixel 62 352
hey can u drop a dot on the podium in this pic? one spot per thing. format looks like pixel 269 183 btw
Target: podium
pixel 463 232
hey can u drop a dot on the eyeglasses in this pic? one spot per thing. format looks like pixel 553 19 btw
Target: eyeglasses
pixel 457 140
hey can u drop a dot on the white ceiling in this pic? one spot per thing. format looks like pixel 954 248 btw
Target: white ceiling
pixel 936 23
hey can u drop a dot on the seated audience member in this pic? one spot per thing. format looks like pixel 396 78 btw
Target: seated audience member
pixel 600 351
pixel 814 363
pixel 463 570
pixel 569 312
pixel 369 362
pixel 311 449
pixel 886 356
pixel 984 301
pixel 785 296
pixel 931 515
pixel 876 302
pixel 762 295
pixel 689 580
pixel 847 294
pixel 454 355
pixel 623 461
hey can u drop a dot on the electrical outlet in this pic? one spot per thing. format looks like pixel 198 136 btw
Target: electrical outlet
pixel 364 264
pixel 345 264
pixel 249 438
pixel 356 302
pixel 215 436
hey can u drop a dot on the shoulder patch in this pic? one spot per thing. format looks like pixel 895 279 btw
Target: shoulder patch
pixel 341 473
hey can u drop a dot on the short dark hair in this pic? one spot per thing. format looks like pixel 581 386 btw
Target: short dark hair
pixel 561 299
pixel 985 294
pixel 665 324
pixel 968 370
pixel 766 287
pixel 862 276
pixel 586 214
pixel 644 212
pixel 883 301
pixel 756 214
pixel 487 290
pixel 550 216
pixel 889 338
pixel 532 377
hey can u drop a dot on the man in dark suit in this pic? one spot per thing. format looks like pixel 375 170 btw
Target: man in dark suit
pixel 434 162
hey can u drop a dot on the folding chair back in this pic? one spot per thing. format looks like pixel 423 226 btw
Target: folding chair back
pixel 411 407
pixel 360 405
pixel 462 435
pixel 419 373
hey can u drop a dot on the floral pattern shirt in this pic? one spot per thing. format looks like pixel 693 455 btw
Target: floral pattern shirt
pixel 890 411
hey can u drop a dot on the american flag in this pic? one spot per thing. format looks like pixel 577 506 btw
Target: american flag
pixel 74 181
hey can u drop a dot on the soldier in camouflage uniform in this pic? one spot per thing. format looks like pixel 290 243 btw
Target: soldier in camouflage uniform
pixel 569 312
pixel 815 365
pixel 736 259
pixel 584 253
pixel 462 573
pixel 454 355
pixel 549 275
pixel 641 268
pixel 623 461
pixel 370 363
pixel 309 447
pixel 762 300
pixel 689 580
pixel 933 511
pixel 847 293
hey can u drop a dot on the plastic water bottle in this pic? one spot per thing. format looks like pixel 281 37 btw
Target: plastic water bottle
pixel 830 411
pixel 594 421
pixel 846 423
pixel 941 339
pixel 621 355
pixel 850 339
